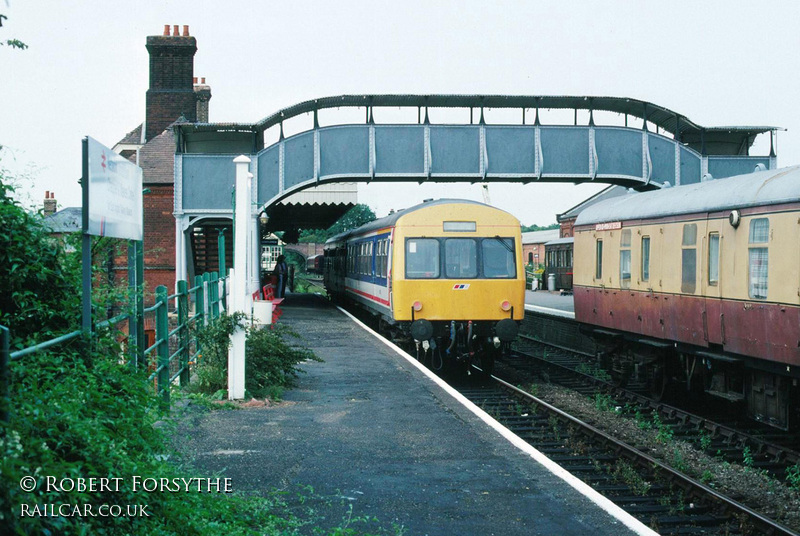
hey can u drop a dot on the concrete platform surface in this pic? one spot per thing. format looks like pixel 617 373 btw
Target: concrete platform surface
pixel 550 300
pixel 368 427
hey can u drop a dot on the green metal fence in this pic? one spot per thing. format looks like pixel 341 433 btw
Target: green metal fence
pixel 175 349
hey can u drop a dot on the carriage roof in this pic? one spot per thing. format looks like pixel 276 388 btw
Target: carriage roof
pixel 759 188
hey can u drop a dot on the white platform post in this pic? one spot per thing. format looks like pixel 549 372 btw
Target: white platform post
pixel 240 297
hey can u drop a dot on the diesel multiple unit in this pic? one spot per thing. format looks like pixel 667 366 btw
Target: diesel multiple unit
pixel 447 274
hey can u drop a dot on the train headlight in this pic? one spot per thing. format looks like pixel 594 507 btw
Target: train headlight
pixel 417 306
pixel 505 305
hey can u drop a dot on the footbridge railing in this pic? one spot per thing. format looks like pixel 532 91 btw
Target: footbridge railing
pixel 666 148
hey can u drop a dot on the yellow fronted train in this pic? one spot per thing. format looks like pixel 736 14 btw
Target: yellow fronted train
pixel 445 274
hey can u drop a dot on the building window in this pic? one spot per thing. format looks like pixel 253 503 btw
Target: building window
pixel 645 258
pixel 689 259
pixel 759 258
pixel 625 259
pixel 713 259
pixel 530 257
pixel 598 267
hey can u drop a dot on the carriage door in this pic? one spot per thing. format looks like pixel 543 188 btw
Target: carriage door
pixel 711 279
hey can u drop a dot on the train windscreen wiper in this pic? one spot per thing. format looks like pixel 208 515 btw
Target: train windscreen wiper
pixel 503 241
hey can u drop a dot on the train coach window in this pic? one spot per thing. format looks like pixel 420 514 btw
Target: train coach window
pixel 598 267
pixel 645 258
pixel 460 258
pixel 625 259
pixel 689 259
pixel 758 258
pixel 713 259
pixel 498 258
pixel 422 258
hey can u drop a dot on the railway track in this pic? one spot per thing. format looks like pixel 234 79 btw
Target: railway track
pixel 656 494
pixel 736 441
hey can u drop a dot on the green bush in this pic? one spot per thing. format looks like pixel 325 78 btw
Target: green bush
pixel 37 288
pixel 270 361
pixel 76 419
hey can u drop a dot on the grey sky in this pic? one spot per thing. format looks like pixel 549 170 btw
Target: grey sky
pixel 86 71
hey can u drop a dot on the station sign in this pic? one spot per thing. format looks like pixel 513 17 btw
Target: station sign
pixel 609 226
pixel 115 194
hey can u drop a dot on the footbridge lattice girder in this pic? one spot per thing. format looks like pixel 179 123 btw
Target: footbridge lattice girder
pixel 526 152
pixel 454 153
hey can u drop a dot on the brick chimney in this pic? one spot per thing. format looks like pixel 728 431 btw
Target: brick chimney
pixel 203 94
pixel 171 92
pixel 50 205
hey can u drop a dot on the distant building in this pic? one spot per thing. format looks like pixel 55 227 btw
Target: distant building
pixel 533 245
pixel 567 219
pixel 61 222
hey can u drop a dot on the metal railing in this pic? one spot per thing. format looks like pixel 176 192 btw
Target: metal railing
pixel 167 366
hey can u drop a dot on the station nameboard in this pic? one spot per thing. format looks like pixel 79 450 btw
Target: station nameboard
pixel 115 194
pixel 610 226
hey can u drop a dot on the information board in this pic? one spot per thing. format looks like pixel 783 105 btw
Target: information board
pixel 115 194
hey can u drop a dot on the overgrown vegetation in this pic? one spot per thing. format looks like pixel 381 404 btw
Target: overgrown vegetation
pixel 271 364
pixel 38 295
pixel 78 418
pixel 79 415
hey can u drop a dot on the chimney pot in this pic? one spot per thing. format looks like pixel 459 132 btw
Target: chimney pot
pixel 47 194
pixel 186 30
pixel 194 80
pixel 175 31
pixel 166 29
pixel 203 80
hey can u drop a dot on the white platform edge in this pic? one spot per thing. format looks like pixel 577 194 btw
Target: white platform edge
pixel 549 311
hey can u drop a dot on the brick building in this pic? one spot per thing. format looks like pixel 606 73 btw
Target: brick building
pixel 533 245
pixel 173 96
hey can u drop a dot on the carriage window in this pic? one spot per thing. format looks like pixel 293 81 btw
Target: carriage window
pixel 689 259
pixel 422 258
pixel 460 258
pixel 713 259
pixel 625 259
pixel 498 258
pixel 645 258
pixel 598 267
pixel 759 258
pixel 383 254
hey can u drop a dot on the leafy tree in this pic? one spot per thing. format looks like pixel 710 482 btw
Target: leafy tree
pixel 355 217
pixel 13 43
pixel 37 290
pixel 534 227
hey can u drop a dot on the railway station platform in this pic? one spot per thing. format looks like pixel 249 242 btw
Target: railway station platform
pixel 546 301
pixel 368 427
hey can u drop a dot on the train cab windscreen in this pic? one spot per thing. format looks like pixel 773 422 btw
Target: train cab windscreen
pixel 422 258
pixel 460 258
pixel 464 258
pixel 498 258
